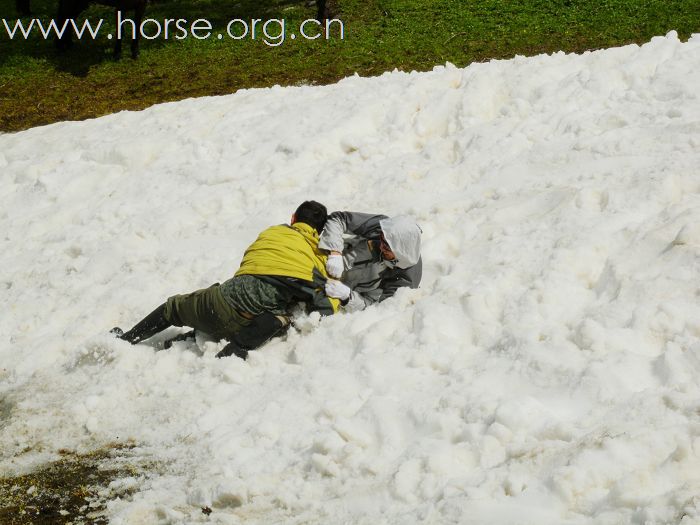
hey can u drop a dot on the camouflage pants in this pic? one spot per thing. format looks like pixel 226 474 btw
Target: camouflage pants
pixel 254 295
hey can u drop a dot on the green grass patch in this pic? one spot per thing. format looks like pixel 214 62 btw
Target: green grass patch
pixel 39 86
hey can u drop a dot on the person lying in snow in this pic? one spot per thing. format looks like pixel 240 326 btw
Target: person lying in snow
pixel 281 268
pixel 380 256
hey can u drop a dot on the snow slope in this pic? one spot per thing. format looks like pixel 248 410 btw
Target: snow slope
pixel 546 371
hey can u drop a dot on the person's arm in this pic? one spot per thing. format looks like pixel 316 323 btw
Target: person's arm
pixel 340 222
pixel 358 301
pixel 410 277
pixel 323 304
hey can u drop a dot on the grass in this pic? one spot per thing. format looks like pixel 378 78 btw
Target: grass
pixel 39 86
pixel 73 489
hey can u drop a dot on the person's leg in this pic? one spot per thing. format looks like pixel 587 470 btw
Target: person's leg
pixel 206 311
pixel 180 337
pixel 148 327
pixel 196 309
pixel 261 329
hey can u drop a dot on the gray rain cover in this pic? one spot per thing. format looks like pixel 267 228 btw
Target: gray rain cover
pixel 403 235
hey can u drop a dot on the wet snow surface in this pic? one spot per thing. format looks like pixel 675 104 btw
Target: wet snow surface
pixel 546 371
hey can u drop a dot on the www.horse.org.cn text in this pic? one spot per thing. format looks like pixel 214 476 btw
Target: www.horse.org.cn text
pixel 272 32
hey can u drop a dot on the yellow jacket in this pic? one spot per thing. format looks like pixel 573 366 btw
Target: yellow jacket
pixel 289 251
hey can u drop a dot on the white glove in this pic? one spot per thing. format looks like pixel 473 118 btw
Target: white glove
pixel 334 265
pixel 337 289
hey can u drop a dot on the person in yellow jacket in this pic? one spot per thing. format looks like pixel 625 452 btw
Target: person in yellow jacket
pixel 284 266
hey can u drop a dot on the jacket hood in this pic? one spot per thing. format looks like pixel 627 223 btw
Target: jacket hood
pixel 308 232
pixel 403 235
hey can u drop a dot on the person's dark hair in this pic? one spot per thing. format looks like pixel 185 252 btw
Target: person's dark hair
pixel 312 213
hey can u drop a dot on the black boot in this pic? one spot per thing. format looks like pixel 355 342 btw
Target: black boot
pixel 233 349
pixel 148 327
pixel 260 330
pixel 181 337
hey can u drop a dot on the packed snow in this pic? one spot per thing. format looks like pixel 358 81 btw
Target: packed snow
pixel 545 372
